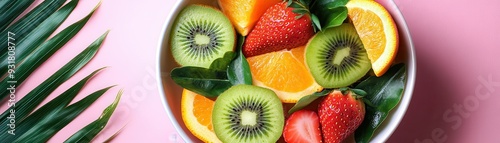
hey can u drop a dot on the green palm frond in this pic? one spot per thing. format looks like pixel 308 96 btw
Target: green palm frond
pixel 24 47
pixel 11 9
pixel 26 44
pixel 29 22
pixel 87 133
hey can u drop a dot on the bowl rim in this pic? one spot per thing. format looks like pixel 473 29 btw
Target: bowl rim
pixel 391 122
pixel 165 28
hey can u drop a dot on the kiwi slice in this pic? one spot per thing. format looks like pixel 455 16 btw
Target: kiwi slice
pixel 336 57
pixel 246 113
pixel 199 35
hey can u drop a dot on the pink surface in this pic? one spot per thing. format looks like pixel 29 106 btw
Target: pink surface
pixel 457 50
pixel 457 47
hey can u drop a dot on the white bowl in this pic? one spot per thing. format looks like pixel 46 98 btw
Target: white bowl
pixel 171 93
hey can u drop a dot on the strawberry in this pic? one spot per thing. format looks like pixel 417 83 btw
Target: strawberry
pixel 279 28
pixel 340 115
pixel 302 127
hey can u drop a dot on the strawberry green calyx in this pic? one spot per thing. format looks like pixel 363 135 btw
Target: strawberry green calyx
pixel 302 7
pixel 324 13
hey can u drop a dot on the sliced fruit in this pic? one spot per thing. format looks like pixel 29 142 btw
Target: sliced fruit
pixel 278 29
pixel 285 73
pixel 245 13
pixel 199 35
pixel 336 57
pixel 378 32
pixel 302 127
pixel 247 113
pixel 197 116
pixel 340 115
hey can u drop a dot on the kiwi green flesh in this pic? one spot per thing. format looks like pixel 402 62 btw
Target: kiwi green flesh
pixel 336 57
pixel 199 35
pixel 246 113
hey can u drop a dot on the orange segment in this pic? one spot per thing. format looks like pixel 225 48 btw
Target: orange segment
pixel 285 73
pixel 377 31
pixel 245 13
pixel 197 115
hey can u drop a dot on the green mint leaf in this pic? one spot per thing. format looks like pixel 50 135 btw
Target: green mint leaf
pixel 221 64
pixel 330 13
pixel 206 82
pixel 210 82
pixel 333 5
pixel 320 4
pixel 306 100
pixel 383 93
pixel 336 17
pixel 239 70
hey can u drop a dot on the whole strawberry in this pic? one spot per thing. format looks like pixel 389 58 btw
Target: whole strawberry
pixel 279 28
pixel 340 115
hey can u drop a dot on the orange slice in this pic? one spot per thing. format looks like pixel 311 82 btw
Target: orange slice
pixel 197 115
pixel 245 13
pixel 377 31
pixel 285 73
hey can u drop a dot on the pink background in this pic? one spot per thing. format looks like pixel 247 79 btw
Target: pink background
pixel 456 41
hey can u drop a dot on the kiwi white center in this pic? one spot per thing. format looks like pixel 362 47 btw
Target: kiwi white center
pixel 248 118
pixel 340 55
pixel 201 39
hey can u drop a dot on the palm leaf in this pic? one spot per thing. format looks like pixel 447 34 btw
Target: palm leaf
pixel 48 109
pixel 109 139
pixel 29 22
pixel 36 96
pixel 32 50
pixel 38 36
pixel 47 127
pixel 87 133
pixel 62 100
pixel 4 4
pixel 10 9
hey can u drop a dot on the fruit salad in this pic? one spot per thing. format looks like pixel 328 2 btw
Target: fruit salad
pixel 286 71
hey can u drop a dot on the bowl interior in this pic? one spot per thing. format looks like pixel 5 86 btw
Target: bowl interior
pixel 171 93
